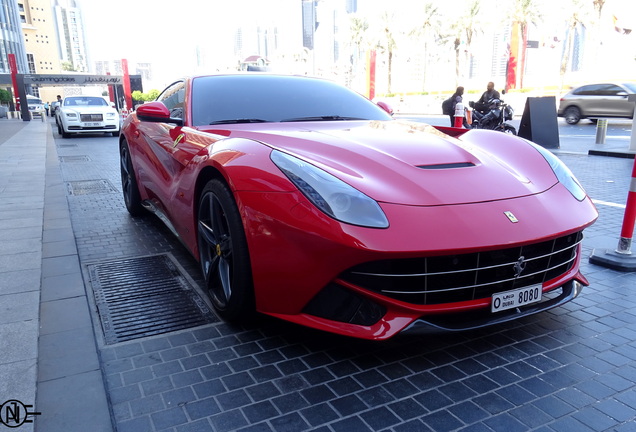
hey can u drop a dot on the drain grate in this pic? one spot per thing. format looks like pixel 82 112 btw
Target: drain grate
pixel 89 187
pixel 66 145
pixel 81 158
pixel 146 296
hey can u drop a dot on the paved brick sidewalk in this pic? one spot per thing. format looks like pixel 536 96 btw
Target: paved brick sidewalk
pixel 569 369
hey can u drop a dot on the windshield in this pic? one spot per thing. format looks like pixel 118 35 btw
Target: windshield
pixel 258 98
pixel 34 101
pixel 84 101
pixel 631 87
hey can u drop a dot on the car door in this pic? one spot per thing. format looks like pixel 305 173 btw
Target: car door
pixel 619 105
pixel 156 165
pixel 611 101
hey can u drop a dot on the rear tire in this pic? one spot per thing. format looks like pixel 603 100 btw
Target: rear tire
pixel 572 115
pixel 129 187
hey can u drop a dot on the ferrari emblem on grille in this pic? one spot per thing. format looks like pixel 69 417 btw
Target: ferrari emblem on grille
pixel 519 266
pixel 511 216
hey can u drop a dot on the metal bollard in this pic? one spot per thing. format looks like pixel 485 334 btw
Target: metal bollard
pixel 629 219
pixel 459 115
pixel 601 131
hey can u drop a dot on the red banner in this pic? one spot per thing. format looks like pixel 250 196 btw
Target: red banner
pixel 13 67
pixel 127 95
pixel 371 74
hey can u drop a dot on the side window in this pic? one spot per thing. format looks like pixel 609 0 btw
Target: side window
pixel 589 90
pixel 611 90
pixel 173 98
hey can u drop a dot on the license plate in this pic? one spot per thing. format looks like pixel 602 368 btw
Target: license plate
pixel 92 124
pixel 515 298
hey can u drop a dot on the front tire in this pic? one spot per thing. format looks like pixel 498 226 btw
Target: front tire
pixel 223 253
pixel 572 115
pixel 129 187
pixel 507 129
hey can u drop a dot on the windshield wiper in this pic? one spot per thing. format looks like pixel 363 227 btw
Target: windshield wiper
pixel 240 120
pixel 321 118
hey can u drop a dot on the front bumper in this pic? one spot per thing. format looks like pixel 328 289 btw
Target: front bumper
pixel 482 318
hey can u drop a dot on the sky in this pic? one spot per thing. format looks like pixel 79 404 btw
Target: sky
pixel 156 31
pixel 150 31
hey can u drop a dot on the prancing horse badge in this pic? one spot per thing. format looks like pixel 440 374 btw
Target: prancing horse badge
pixel 511 216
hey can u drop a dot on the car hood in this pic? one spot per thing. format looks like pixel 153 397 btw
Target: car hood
pixel 413 163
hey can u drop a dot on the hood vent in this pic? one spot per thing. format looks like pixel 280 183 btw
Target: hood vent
pixel 448 165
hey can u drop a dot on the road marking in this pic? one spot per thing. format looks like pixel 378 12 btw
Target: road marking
pixel 609 204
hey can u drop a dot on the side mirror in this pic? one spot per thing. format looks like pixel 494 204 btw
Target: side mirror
pixel 386 107
pixel 156 112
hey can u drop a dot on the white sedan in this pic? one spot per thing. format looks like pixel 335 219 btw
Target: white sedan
pixel 86 114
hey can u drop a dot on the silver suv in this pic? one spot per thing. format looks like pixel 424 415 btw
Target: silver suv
pixel 597 100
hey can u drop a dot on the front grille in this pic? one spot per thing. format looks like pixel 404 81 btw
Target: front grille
pixel 465 277
pixel 91 117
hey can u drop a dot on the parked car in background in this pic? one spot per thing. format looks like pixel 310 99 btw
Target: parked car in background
pixel 597 100
pixel 303 200
pixel 53 107
pixel 36 106
pixel 86 114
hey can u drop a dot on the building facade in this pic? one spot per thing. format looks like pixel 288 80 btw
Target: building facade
pixel 71 40
pixel 11 39
pixel 40 41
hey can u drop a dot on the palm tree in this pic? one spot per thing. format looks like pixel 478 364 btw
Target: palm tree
pixel 598 6
pixel 463 30
pixel 577 17
pixel 431 22
pixel 358 29
pixel 524 12
pixel 386 41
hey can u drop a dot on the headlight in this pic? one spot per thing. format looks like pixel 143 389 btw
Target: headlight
pixel 110 115
pixel 70 114
pixel 563 173
pixel 330 194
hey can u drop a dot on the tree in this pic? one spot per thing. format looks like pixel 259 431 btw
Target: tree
pixel 386 42
pixel 462 32
pixel 577 16
pixel 358 30
pixel 152 94
pixel 145 97
pixel 5 96
pixel 68 66
pixel 523 12
pixel 431 22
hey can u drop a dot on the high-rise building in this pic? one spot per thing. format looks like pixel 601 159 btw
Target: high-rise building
pixel 70 30
pixel 310 23
pixel 38 29
pixel 11 39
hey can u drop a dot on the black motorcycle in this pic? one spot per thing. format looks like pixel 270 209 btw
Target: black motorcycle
pixel 493 115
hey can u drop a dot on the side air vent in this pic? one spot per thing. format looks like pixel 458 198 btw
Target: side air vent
pixel 448 165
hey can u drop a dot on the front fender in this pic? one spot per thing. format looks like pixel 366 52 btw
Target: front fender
pixel 246 166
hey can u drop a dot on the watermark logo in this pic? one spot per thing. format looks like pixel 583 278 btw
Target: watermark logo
pixel 14 413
